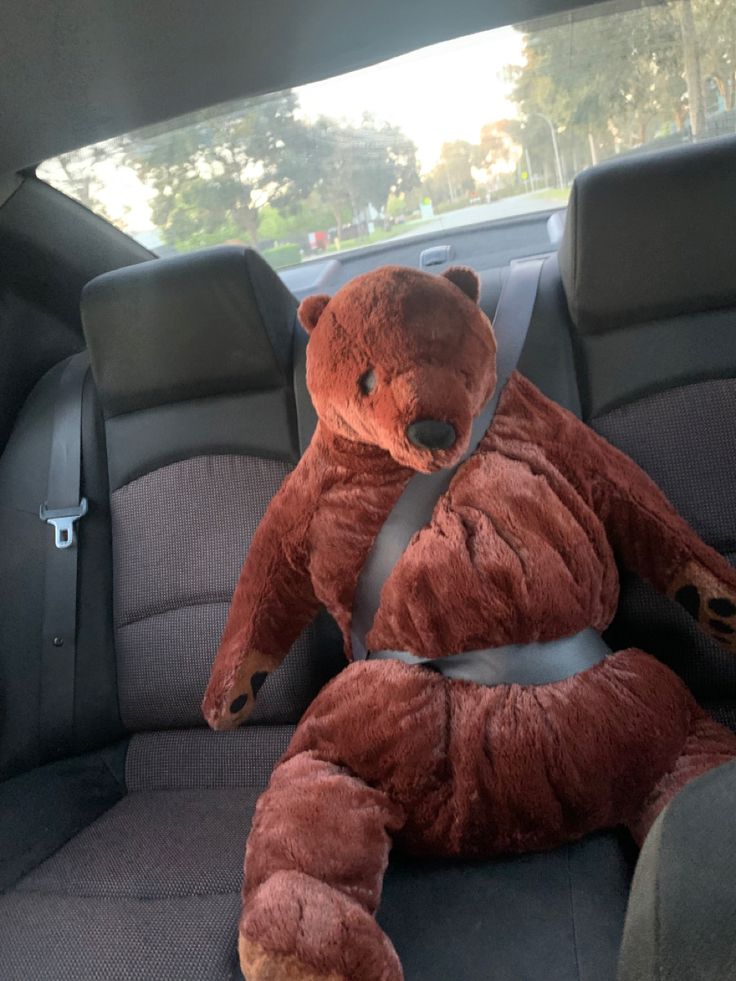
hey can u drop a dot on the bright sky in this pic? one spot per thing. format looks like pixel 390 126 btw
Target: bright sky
pixel 435 95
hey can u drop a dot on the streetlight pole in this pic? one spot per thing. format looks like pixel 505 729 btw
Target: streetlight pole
pixel 555 147
pixel 529 168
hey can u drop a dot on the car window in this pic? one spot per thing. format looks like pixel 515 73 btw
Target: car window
pixel 481 128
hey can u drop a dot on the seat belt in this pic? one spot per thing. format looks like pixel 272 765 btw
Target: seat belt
pixel 62 509
pixel 416 504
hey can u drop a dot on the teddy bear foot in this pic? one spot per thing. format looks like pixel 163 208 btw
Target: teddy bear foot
pixel 259 964
pixel 296 928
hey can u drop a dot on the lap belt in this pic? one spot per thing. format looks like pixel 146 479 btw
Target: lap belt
pixel 62 509
pixel 537 663
pixel 521 663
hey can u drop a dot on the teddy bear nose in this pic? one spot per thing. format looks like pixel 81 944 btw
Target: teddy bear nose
pixel 431 434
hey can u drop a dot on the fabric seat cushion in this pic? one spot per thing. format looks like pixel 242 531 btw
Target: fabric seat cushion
pixel 554 916
pixel 180 535
pixel 681 437
pixel 150 891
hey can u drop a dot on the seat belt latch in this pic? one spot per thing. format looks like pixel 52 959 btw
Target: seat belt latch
pixel 63 520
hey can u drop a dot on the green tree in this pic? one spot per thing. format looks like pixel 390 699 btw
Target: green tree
pixel 452 178
pixel 714 22
pixel 80 173
pixel 353 167
pixel 691 58
pixel 212 174
pixel 405 203
pixel 606 82
pixel 281 225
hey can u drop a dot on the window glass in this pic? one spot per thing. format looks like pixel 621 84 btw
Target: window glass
pixel 477 129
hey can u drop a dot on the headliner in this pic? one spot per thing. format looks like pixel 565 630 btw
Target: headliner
pixel 78 71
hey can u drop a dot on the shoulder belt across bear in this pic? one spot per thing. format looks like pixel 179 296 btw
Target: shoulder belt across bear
pixel 523 664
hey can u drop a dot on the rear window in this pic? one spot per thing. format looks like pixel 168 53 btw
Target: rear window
pixel 473 130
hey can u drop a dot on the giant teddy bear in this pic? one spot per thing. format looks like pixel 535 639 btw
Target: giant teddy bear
pixel 522 547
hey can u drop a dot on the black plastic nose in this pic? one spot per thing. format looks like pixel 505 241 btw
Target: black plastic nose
pixel 431 434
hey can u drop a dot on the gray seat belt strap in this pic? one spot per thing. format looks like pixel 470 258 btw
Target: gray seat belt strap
pixel 414 508
pixel 61 510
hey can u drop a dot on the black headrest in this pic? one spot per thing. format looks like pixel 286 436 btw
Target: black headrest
pixel 651 236
pixel 211 323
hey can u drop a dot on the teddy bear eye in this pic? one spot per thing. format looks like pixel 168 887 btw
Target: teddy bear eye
pixel 367 381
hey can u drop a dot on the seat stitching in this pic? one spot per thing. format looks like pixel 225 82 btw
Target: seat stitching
pixel 146 897
pixel 172 609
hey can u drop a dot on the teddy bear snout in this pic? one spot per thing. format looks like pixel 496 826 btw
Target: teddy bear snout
pixel 431 434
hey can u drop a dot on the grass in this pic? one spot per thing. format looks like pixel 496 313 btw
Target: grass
pixel 550 195
pixel 560 194
pixel 379 235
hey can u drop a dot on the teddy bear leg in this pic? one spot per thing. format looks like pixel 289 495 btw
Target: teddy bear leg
pixel 313 874
pixel 708 745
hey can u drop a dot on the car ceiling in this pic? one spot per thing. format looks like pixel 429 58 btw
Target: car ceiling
pixel 79 71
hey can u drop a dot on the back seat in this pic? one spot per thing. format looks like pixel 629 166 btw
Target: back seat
pixel 202 417
pixel 647 265
pixel 126 861
pixel 193 363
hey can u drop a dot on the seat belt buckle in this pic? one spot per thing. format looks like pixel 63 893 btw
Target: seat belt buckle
pixel 63 520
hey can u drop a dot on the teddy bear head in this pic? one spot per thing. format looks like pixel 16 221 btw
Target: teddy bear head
pixel 402 360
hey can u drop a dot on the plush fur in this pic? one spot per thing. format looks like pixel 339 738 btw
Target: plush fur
pixel 524 546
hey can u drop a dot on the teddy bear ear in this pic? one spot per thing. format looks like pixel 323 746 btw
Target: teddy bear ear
pixel 310 310
pixel 465 279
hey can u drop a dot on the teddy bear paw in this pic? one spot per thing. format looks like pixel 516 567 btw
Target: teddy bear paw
pixel 296 928
pixel 709 602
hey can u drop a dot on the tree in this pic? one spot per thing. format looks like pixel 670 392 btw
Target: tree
pixel 714 23
pixel 80 173
pixel 616 81
pixel 211 174
pixel 357 166
pixel 692 67
pixel 602 80
pixel 452 178
pixel 309 215
pixel 404 203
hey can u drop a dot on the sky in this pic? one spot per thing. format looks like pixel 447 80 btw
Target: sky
pixel 436 95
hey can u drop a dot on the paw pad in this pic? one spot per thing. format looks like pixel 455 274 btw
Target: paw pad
pixel 257 680
pixel 722 607
pixel 689 598
pixel 238 703
pixel 715 613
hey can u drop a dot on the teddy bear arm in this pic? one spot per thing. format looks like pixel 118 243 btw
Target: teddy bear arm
pixel 653 541
pixel 648 536
pixel 273 602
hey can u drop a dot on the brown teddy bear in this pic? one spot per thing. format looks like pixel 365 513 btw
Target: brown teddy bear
pixel 521 548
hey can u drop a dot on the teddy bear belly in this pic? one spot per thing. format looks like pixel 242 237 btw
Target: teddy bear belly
pixel 482 771
pixel 512 554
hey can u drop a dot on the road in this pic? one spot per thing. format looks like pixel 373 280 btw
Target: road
pixel 521 204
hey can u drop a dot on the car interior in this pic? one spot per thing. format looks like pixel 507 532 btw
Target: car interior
pixel 122 817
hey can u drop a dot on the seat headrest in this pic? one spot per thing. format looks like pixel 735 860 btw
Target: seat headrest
pixel 651 236
pixel 211 323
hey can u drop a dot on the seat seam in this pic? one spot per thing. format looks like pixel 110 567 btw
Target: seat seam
pixel 135 896
pixel 172 609
pixel 243 392
pixel 572 916
pixel 198 789
pixel 261 455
